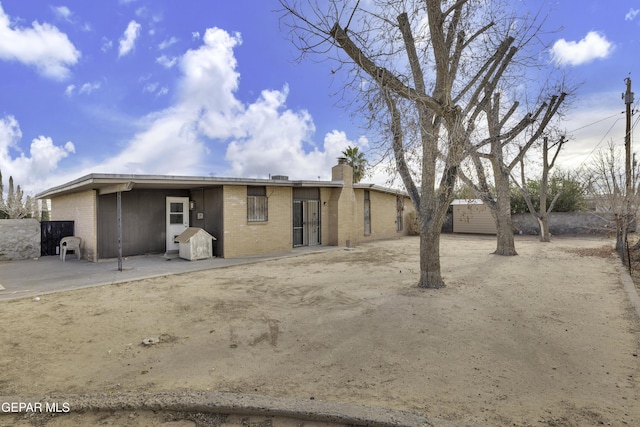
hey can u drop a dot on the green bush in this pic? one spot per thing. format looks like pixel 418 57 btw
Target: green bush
pixel 571 199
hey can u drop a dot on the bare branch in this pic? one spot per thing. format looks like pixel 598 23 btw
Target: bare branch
pixel 398 150
pixel 410 46
pixel 380 74
pixel 552 109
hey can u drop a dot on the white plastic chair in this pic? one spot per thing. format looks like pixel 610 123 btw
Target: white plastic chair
pixel 70 243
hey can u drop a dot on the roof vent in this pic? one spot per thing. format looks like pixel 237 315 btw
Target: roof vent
pixel 280 178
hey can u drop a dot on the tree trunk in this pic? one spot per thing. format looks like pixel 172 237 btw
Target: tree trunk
pixel 543 222
pixel 621 237
pixel 504 226
pixel 430 276
pixel 505 241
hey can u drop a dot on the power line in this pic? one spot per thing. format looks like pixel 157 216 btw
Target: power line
pixel 598 144
pixel 596 122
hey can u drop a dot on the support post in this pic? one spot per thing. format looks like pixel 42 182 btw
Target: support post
pixel 119 216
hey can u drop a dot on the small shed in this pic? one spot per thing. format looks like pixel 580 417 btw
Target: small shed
pixel 195 243
pixel 472 216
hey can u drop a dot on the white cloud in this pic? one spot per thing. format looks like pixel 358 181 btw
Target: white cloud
pixel 29 170
pixel 269 137
pixel 150 87
pixel 155 88
pixel 44 156
pixel 256 138
pixel 167 62
pixel 106 44
pixel 593 46
pixel 631 15
pixel 10 134
pixel 597 119
pixel 128 39
pixel 274 142
pixel 167 43
pixel 62 12
pixel 65 14
pixel 87 88
pixel 210 78
pixel 195 35
pixel 41 46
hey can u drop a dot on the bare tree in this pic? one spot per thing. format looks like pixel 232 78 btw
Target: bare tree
pixel 499 137
pixel 436 65
pixel 606 185
pixel 542 213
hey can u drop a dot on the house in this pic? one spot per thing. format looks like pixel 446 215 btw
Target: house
pixel 472 216
pixel 246 216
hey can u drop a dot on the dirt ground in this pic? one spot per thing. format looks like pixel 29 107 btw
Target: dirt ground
pixel 547 338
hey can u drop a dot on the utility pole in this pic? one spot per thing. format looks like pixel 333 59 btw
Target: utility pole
pixel 627 217
pixel 628 100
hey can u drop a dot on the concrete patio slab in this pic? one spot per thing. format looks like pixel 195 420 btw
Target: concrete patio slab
pixel 29 278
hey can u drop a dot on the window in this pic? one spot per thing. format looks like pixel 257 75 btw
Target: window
pixel 399 212
pixel 176 212
pixel 367 213
pixel 257 210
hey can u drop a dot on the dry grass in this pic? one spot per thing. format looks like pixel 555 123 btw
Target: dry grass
pixel 604 251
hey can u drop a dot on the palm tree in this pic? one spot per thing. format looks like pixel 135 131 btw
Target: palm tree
pixel 356 160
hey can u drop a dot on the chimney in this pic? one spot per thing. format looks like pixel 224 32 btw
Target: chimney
pixel 342 172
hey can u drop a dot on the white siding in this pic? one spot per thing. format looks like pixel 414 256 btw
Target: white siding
pixel 473 218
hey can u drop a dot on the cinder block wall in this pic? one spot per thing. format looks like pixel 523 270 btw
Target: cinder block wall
pixel 82 209
pixel 383 215
pixel 244 238
pixel 325 215
pixel 568 223
pixel 19 239
pixel 342 207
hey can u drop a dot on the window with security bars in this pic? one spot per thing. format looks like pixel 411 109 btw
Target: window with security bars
pixel 399 212
pixel 257 206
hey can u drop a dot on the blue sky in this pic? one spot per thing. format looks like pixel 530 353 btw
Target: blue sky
pixel 211 87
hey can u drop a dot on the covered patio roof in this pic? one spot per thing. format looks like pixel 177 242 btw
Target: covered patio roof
pixel 112 183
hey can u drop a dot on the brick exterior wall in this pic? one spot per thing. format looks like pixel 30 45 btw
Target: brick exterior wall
pixel 19 239
pixel 342 217
pixel 325 218
pixel 80 208
pixel 383 215
pixel 342 208
pixel 244 238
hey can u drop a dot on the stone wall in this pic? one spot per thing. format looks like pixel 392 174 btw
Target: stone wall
pixel 19 239
pixel 566 223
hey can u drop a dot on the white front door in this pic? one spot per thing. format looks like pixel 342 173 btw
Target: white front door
pixel 177 220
